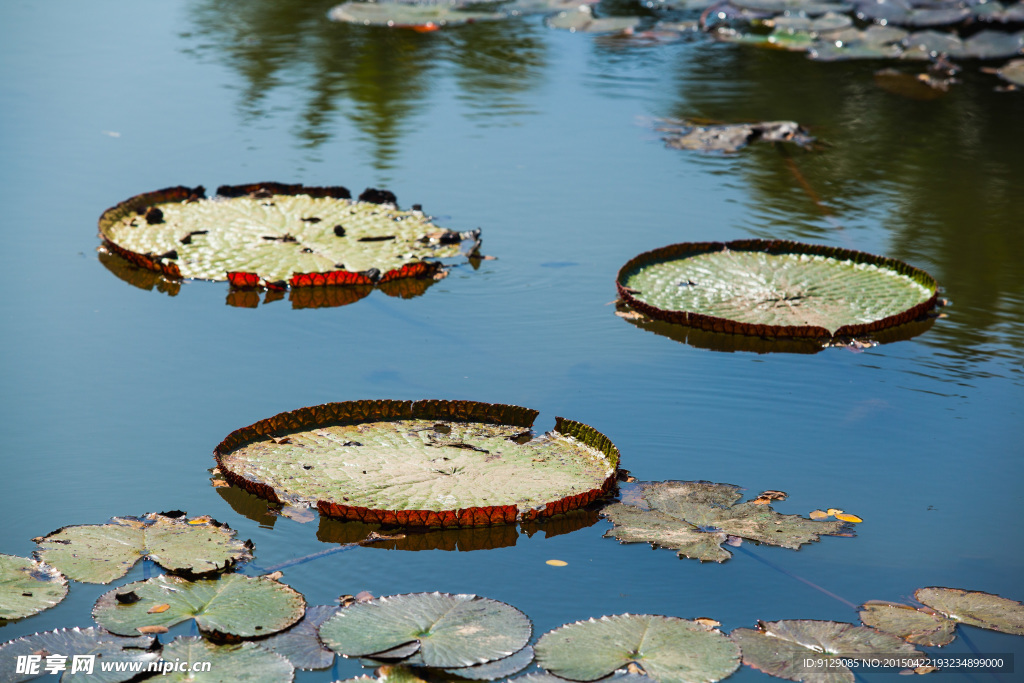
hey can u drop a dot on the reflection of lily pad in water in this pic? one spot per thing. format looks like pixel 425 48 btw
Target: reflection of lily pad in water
pixel 137 276
pixel 918 626
pixel 780 648
pixel 267 233
pixel 697 517
pixel 421 464
pixel 721 341
pixel 668 649
pixel 102 553
pixel 28 587
pixel 232 605
pixel 975 608
pixel 450 630
pixel 775 288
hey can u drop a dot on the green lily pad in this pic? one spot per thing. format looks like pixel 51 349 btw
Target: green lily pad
pixel 269 233
pixel 453 631
pixel 81 642
pixel 499 668
pixel 301 643
pixel 233 605
pixel 28 587
pixel 696 517
pixel 421 464
pixel 668 649
pixel 775 288
pixel 581 19
pixel 407 15
pixel 780 648
pixel 617 677
pixel 103 553
pixel 243 662
pixel 974 608
pixel 1012 72
pixel 919 626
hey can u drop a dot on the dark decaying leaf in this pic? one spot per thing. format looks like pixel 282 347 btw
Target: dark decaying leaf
pixel 301 644
pixel 105 552
pixel 453 631
pixel 233 605
pixel 233 663
pixel 775 288
pixel 28 587
pixel 918 626
pixel 668 649
pixel 733 137
pixel 975 608
pixel 76 641
pixel 697 517
pixel 780 648
pixel 421 464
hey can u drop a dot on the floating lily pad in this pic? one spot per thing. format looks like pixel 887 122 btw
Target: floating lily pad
pixel 617 677
pixel 1012 72
pixel 919 626
pixel 75 641
pixel 582 19
pixel 810 8
pixel 301 644
pixel 103 553
pixel 453 631
pixel 246 662
pixel 974 608
pixel 668 649
pixel 421 464
pixel 696 517
pixel 775 288
pixel 780 648
pixel 28 587
pixel 499 668
pixel 733 137
pixel 271 233
pixel 407 15
pixel 233 605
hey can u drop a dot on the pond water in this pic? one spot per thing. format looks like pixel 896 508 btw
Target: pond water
pixel 115 394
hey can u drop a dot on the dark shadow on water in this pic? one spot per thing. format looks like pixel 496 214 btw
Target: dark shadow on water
pixel 136 276
pixel 249 506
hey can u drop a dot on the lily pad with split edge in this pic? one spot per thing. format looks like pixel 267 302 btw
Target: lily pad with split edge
pixel 28 587
pixel 918 626
pixel 975 608
pixel 81 642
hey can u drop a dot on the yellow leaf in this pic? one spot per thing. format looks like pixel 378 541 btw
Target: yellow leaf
pixel 846 517
pixel 157 609
pixel 557 563
pixel 819 514
pixel 835 511
pixel 152 629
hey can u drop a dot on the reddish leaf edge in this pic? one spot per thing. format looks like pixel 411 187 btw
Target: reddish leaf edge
pixel 355 412
pixel 244 280
pixel 724 325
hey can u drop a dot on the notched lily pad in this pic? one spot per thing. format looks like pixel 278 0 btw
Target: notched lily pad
pixel 975 608
pixel 775 288
pixel 421 464
pixel 233 605
pixel 103 553
pixel 453 631
pixel 697 517
pixel 270 235
pixel 667 649
pixel 780 648
pixel 28 587
pixel 224 663
pixel 301 643
pixel 76 641
pixel 919 626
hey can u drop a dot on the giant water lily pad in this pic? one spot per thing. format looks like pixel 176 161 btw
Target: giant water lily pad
pixel 421 464
pixel 919 626
pixel 81 642
pixel 234 605
pixel 451 631
pixel 781 648
pixel 696 517
pixel 668 649
pixel 269 232
pixel 103 553
pixel 28 587
pixel 774 288
pixel 205 662
pixel 975 608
